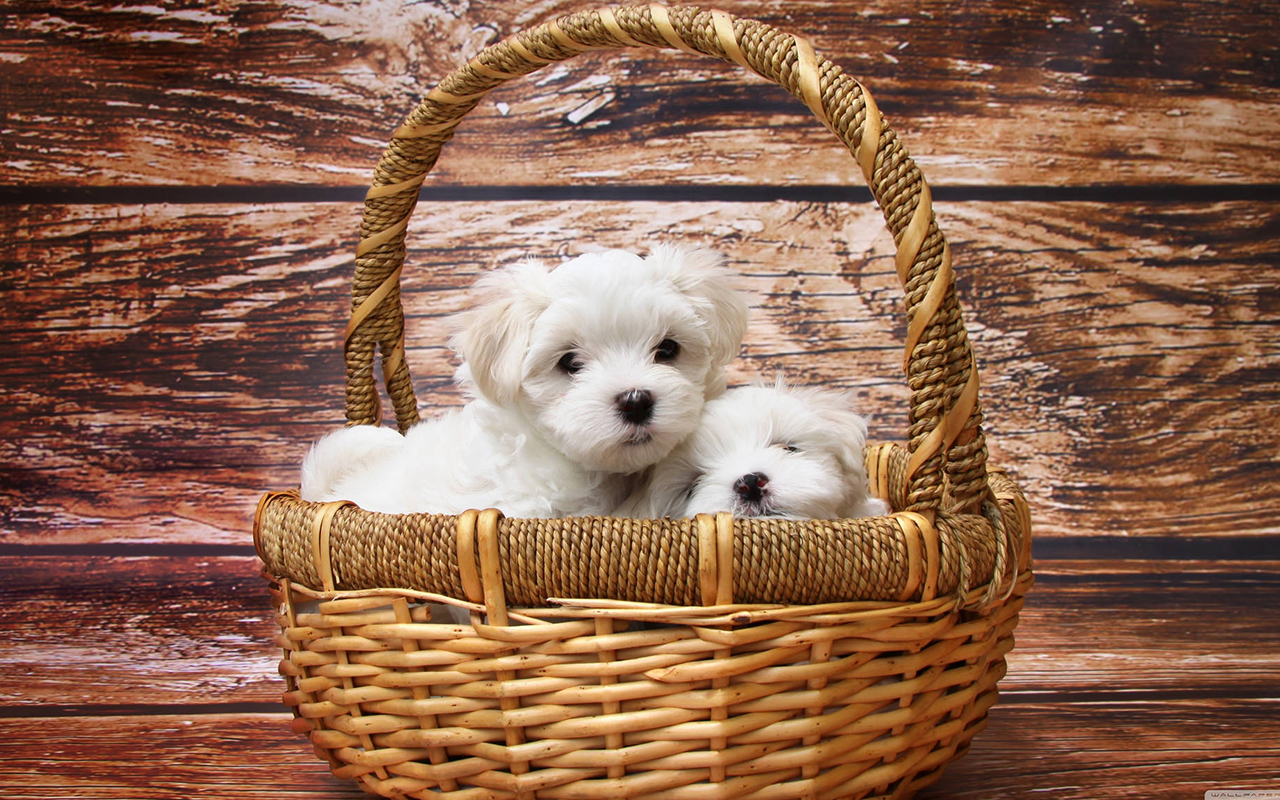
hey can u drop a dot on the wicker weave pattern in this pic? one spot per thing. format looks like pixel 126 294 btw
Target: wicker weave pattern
pixel 848 700
pixel 696 658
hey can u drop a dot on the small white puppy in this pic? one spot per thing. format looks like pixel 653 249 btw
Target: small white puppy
pixel 579 377
pixel 765 451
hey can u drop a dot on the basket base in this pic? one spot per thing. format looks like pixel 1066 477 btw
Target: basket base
pixel 853 700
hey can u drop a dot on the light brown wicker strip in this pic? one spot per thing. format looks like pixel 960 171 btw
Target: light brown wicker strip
pixel 598 714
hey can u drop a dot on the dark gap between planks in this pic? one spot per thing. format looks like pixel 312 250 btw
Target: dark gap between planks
pixel 314 193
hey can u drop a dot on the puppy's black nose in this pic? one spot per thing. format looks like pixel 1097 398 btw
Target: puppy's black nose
pixel 635 406
pixel 752 486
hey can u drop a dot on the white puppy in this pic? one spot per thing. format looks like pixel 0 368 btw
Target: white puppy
pixel 579 376
pixel 765 452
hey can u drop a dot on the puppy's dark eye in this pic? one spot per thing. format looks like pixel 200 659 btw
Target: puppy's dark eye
pixel 666 351
pixel 569 363
pixel 791 448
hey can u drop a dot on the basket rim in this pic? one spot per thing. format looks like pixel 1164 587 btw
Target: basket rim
pixel 484 559
pixel 570 609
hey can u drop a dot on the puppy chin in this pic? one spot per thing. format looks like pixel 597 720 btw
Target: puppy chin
pixel 614 447
pixel 630 456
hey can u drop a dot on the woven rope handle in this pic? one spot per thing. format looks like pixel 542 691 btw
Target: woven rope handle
pixel 948 453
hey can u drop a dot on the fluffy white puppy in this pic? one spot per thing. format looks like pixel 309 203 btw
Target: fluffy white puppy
pixel 579 377
pixel 765 451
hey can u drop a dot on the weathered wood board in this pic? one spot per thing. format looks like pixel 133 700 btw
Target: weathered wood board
pixel 232 756
pixel 169 363
pixel 1118 751
pixel 135 632
pixel 983 93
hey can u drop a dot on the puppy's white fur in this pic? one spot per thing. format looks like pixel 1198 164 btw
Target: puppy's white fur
pixel 803 448
pixel 548 355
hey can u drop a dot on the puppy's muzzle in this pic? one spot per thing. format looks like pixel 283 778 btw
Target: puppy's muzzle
pixel 635 406
pixel 752 486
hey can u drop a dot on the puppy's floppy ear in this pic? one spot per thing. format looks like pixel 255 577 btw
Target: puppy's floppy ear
pixel 701 275
pixel 848 427
pixel 493 337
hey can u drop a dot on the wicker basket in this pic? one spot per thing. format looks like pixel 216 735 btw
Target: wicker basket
pixel 682 658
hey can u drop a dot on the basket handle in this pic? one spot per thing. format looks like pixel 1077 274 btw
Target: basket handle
pixel 947 465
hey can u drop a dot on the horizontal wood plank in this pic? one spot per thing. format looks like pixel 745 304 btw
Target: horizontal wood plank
pixel 240 756
pixel 1120 751
pixel 136 632
pixel 166 364
pixel 1110 751
pixel 991 93
pixel 162 631
pixel 1147 631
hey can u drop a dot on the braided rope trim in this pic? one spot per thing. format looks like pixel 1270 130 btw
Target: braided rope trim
pixel 711 561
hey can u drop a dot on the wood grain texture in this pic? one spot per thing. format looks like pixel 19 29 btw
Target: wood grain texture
pixel 141 631
pixel 159 757
pixel 1108 751
pixel 1147 631
pixel 1120 751
pixel 162 365
pixel 983 93
pixel 99 632
pixel 166 364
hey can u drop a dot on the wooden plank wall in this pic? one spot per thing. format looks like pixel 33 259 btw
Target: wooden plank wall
pixel 180 187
